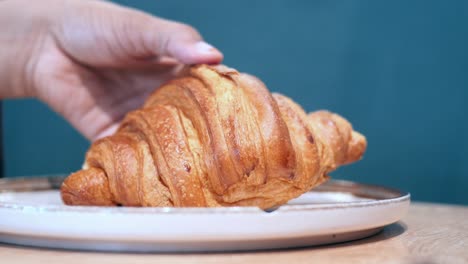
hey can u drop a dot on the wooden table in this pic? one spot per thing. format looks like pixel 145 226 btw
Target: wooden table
pixel 430 233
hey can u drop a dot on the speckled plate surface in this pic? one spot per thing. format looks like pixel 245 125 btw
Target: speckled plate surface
pixel 32 214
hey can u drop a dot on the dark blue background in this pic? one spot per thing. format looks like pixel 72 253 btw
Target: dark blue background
pixel 398 70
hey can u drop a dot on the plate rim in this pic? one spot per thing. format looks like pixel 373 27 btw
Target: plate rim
pixel 50 182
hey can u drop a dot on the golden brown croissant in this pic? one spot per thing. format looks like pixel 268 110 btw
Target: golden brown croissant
pixel 213 137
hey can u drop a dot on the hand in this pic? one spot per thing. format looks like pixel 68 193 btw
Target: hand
pixel 91 61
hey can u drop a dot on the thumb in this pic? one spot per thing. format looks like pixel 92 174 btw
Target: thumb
pixel 180 41
pixel 104 34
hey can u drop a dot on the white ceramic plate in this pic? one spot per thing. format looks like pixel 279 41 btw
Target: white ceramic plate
pixel 32 214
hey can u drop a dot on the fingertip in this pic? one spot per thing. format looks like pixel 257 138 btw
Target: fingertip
pixel 199 52
pixel 106 132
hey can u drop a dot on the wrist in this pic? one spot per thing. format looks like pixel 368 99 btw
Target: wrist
pixel 23 33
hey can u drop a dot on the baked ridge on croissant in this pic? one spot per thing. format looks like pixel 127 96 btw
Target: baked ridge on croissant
pixel 213 137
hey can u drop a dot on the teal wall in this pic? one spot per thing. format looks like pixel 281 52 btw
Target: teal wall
pixel 397 69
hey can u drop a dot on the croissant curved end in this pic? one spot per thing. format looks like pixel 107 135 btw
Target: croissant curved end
pixel 87 187
pixel 356 147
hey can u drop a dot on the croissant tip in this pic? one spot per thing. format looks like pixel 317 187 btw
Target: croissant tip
pixel 357 147
pixel 86 187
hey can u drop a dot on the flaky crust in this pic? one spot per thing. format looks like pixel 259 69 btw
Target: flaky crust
pixel 213 137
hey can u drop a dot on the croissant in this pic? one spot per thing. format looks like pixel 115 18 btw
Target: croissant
pixel 213 137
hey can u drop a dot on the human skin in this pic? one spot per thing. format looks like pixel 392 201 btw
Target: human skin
pixel 91 61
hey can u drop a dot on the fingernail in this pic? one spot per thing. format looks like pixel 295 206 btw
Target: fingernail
pixel 203 47
pixel 108 132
